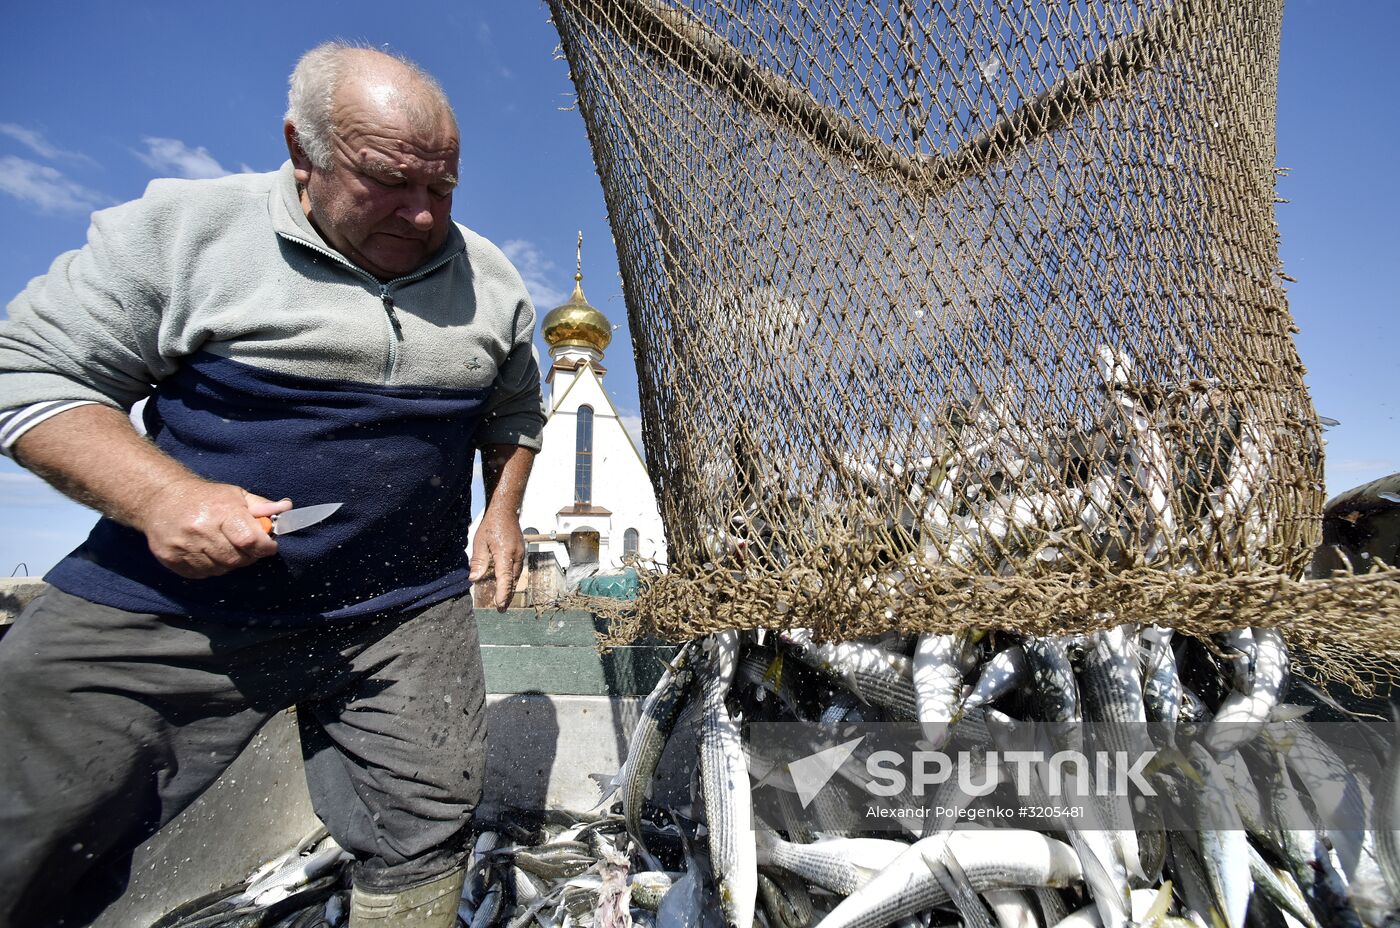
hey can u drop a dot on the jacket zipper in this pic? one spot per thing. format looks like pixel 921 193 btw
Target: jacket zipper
pixel 395 335
pixel 391 360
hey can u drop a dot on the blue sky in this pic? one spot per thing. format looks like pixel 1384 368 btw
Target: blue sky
pixel 100 98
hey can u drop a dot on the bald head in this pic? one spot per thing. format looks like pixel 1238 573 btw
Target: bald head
pixel 374 151
pixel 335 76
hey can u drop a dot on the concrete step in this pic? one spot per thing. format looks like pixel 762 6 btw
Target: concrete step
pixel 522 652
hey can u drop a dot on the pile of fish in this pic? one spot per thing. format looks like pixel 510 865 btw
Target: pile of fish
pixel 1256 818
pixel 1282 829
pixel 307 887
pixel 1171 475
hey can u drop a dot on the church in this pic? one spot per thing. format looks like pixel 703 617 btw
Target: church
pixel 589 500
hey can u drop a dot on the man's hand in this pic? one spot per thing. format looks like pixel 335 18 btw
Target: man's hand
pixel 499 546
pixel 201 529
pixel 195 527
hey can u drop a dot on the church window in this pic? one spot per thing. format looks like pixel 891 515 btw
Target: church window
pixel 630 539
pixel 583 457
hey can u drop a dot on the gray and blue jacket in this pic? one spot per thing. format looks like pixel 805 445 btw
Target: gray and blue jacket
pixel 273 363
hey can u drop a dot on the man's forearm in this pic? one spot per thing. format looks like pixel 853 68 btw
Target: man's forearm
pixel 93 454
pixel 195 527
pixel 505 470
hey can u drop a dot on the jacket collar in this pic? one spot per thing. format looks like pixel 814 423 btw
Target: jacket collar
pixel 289 220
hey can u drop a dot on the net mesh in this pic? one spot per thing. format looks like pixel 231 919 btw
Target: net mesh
pixel 963 312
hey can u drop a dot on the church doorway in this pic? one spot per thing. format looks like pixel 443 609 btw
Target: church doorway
pixel 583 547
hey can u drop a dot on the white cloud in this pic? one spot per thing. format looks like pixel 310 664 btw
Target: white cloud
pixel 483 32
pixel 173 158
pixel 538 272
pixel 34 140
pixel 46 188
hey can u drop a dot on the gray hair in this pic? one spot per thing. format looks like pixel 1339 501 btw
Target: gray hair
pixel 313 85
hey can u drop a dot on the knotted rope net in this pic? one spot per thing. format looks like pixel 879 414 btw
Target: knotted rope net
pixel 963 312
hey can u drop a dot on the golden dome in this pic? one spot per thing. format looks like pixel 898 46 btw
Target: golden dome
pixel 576 324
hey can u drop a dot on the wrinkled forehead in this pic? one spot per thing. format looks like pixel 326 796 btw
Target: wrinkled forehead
pixel 369 147
pixel 391 120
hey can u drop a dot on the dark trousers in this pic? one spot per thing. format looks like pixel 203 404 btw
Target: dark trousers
pixel 112 722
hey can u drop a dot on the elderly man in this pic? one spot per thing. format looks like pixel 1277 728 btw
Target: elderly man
pixel 321 334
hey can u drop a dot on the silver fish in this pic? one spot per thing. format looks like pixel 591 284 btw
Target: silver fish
pixel 1147 451
pixel 875 675
pixel 1290 827
pixel 1224 847
pixel 650 886
pixel 1248 802
pixel 1013 908
pixel 1087 917
pixel 724 778
pixel 1006 671
pixel 833 812
pixel 1280 889
pixel 1161 682
pixel 938 683
pixel 992 859
pixel 784 900
pixel 1104 871
pixel 1112 693
pixel 1342 801
pixel 561 865
pixel 841 865
pixel 492 907
pixel 1052 905
pixel 658 717
pixel 1099 857
pixel 952 878
pixel 525 888
pixel 280 879
pixel 1244 712
pixel 1195 886
pixel 1056 690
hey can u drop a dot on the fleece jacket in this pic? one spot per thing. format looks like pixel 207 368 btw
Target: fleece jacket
pixel 271 362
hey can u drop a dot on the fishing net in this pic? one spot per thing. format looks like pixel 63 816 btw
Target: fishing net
pixel 964 312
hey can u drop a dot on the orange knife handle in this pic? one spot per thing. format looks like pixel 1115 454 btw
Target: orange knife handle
pixel 266 524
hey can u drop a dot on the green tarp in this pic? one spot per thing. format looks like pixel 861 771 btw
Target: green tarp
pixel 619 585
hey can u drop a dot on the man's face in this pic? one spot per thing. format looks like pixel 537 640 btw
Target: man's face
pixel 386 201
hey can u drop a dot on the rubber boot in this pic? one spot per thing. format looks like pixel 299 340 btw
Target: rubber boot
pixel 427 905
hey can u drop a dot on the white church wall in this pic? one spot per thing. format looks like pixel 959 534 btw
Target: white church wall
pixel 620 482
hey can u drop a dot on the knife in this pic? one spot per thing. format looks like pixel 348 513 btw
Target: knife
pixel 294 519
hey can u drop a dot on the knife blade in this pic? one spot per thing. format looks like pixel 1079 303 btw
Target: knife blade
pixel 295 519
